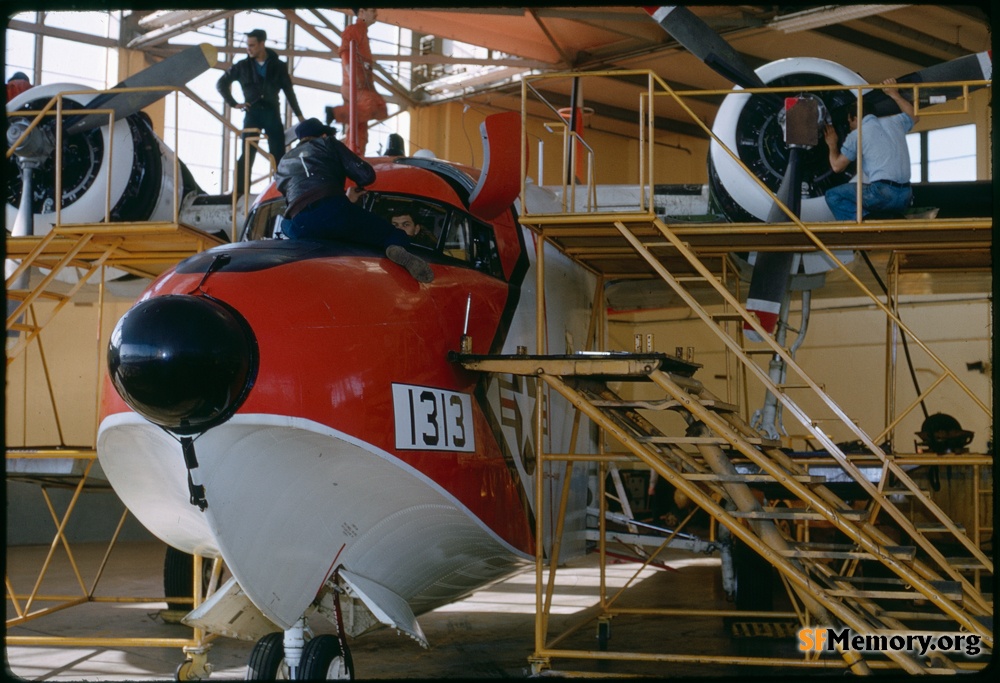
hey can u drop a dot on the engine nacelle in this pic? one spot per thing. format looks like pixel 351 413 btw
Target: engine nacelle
pixel 748 124
pixel 140 174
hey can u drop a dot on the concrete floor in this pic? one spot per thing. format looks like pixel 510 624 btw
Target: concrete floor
pixel 488 635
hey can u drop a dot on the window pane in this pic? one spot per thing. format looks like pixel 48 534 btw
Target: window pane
pixel 20 55
pixel 104 24
pixel 423 221
pixel 951 154
pixel 62 61
pixel 913 144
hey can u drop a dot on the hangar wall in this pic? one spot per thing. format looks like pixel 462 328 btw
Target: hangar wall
pixel 452 132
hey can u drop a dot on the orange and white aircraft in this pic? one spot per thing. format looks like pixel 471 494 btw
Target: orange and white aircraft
pixel 291 406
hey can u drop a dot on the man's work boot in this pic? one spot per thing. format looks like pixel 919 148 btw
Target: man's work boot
pixel 415 265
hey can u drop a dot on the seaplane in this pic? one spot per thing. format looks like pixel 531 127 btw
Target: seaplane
pixel 294 408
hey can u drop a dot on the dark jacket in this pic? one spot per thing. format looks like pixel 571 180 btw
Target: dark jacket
pixel 257 90
pixel 317 169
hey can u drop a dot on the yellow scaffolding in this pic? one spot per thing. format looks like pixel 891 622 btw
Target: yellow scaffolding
pixel 145 250
pixel 821 581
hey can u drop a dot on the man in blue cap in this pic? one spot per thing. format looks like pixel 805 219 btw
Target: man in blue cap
pixel 262 75
pixel 313 178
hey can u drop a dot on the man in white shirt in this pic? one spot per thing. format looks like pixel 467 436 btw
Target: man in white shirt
pixel 885 160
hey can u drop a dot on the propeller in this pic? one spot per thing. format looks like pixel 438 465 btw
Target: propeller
pixel 770 277
pixel 700 40
pixel 172 72
pixel 35 150
pixel 772 271
pixel 974 67
pixel 38 146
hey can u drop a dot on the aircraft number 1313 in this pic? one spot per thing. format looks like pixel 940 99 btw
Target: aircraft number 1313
pixel 432 419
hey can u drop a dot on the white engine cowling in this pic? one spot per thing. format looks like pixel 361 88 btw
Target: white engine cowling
pixel 748 125
pixel 140 174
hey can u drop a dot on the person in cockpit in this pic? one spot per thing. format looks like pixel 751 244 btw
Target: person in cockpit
pixel 313 177
pixel 417 233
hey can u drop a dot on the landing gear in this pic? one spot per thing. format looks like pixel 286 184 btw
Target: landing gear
pixel 603 634
pixel 323 659
pixel 267 659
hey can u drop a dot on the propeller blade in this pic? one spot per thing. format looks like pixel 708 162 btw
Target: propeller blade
pixel 24 221
pixel 172 72
pixel 700 40
pixel 772 270
pixel 974 67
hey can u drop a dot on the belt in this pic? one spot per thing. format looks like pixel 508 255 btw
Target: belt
pixel 892 183
pixel 311 205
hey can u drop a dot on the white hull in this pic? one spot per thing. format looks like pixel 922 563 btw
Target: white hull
pixel 290 500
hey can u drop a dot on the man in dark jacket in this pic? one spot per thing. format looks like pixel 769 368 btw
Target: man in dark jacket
pixel 313 176
pixel 261 76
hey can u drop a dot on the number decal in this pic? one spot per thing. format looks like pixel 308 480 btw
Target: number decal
pixel 432 419
pixel 427 398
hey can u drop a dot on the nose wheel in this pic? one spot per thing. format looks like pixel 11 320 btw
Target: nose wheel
pixel 267 659
pixel 324 658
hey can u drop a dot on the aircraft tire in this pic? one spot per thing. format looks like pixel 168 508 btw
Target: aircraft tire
pixel 178 578
pixel 754 579
pixel 323 659
pixel 267 658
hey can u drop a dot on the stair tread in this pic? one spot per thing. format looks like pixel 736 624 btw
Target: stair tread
pixel 710 440
pixel 951 594
pixel 846 551
pixel 752 478
pixel 662 404
pixel 788 513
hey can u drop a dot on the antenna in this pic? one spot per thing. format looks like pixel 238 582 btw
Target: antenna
pixel 466 339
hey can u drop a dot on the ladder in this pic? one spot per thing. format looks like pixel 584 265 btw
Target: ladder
pixel 702 463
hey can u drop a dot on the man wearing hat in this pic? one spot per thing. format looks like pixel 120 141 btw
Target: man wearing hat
pixel 17 84
pixel 261 76
pixel 313 176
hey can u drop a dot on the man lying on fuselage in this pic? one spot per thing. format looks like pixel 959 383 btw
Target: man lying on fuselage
pixel 313 177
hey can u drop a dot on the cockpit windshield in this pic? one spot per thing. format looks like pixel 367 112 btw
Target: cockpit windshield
pixel 450 233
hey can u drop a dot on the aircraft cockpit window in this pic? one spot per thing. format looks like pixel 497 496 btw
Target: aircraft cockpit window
pixel 421 220
pixel 440 228
pixel 473 241
pixel 264 221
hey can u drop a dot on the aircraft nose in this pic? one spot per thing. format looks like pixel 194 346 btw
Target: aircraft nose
pixel 185 363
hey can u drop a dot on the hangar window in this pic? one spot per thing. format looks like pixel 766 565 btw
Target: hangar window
pixel 943 155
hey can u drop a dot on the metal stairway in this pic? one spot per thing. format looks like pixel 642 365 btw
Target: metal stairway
pixel 703 464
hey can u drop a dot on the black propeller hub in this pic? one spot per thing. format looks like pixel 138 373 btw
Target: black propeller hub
pixel 183 362
pixel 80 163
pixel 761 146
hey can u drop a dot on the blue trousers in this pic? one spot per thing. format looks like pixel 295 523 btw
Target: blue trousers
pixel 842 199
pixel 337 218
pixel 268 120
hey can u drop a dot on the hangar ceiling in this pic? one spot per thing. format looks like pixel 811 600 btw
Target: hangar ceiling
pixel 875 41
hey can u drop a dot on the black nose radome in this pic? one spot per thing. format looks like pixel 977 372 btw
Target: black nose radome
pixel 183 362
